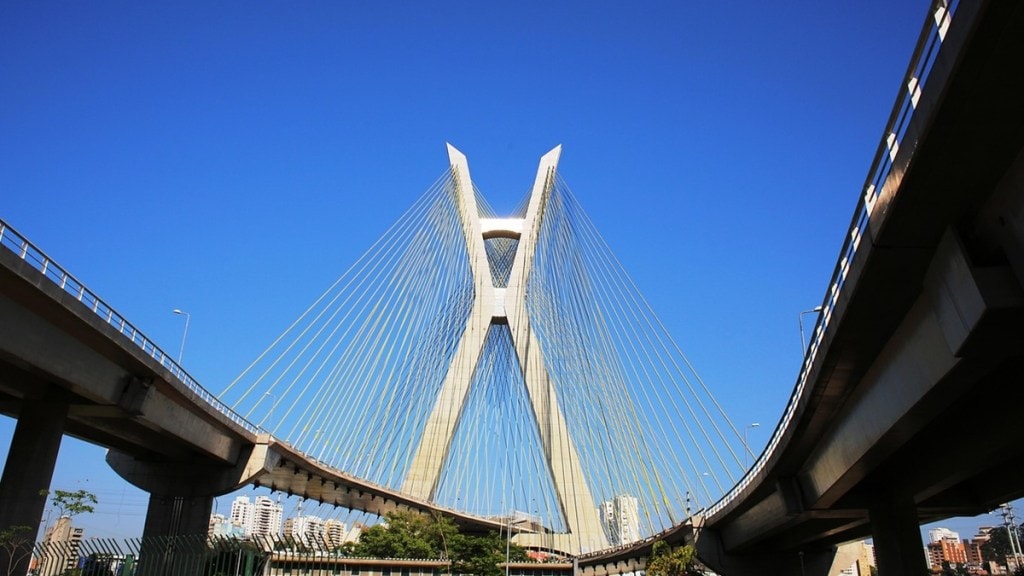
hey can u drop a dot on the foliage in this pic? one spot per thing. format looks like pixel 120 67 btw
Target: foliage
pixel 481 555
pixel 681 561
pixel 412 535
pixel 997 548
pixel 73 503
pixel 405 535
pixel 15 547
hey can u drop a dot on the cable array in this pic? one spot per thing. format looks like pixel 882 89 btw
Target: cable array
pixel 352 382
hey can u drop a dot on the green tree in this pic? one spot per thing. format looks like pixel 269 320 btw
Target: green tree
pixel 483 555
pixel 997 548
pixel 15 547
pixel 73 503
pixel 412 535
pixel 681 561
pixel 403 535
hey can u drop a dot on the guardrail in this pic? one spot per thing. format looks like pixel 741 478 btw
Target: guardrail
pixel 928 45
pixel 31 254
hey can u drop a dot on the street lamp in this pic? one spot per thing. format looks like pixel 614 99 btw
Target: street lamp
pixel 270 413
pixel 746 445
pixel 184 334
pixel 508 534
pixel 803 342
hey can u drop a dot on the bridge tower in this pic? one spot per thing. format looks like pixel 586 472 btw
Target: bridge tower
pixel 496 305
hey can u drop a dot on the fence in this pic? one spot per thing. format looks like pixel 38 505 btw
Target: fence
pixel 228 556
pixel 154 556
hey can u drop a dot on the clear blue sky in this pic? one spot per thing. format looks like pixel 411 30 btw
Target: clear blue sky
pixel 231 159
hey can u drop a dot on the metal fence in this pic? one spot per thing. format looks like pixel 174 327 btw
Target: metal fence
pixel 201 555
pixel 155 556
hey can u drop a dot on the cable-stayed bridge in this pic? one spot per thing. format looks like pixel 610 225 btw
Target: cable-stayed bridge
pixel 498 366
pixel 528 369
pixel 491 368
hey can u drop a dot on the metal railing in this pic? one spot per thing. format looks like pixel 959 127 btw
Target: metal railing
pixel 33 256
pixel 925 53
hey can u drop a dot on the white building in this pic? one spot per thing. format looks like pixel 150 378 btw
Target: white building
pixel 222 526
pixel 940 534
pixel 334 533
pixel 306 529
pixel 242 514
pixel 259 518
pixel 266 517
pixel 620 518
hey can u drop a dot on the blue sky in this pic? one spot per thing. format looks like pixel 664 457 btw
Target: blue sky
pixel 232 159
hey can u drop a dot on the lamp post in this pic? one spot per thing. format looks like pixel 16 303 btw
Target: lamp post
pixel 746 445
pixel 270 413
pixel 184 334
pixel 508 541
pixel 803 341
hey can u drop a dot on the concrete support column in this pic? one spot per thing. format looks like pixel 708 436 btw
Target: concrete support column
pixel 177 515
pixel 28 471
pixel 174 536
pixel 897 536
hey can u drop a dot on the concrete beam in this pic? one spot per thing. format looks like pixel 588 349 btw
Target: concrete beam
pixel 194 478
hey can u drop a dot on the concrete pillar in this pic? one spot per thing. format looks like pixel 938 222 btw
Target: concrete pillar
pixel 178 515
pixel 897 536
pixel 174 536
pixel 28 471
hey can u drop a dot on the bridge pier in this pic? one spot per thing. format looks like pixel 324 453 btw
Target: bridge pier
pixel 177 515
pixel 896 532
pixel 27 474
pixel 174 534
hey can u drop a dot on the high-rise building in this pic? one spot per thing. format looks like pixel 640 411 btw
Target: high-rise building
pixel 945 546
pixel 266 517
pixel 222 526
pixel 306 529
pixel 620 518
pixel 242 514
pixel 939 534
pixel 334 533
pixel 259 518
pixel 60 547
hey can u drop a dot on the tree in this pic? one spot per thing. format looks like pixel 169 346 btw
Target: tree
pixel 482 555
pixel 16 545
pixel 403 535
pixel 681 561
pixel 412 535
pixel 73 503
pixel 997 547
